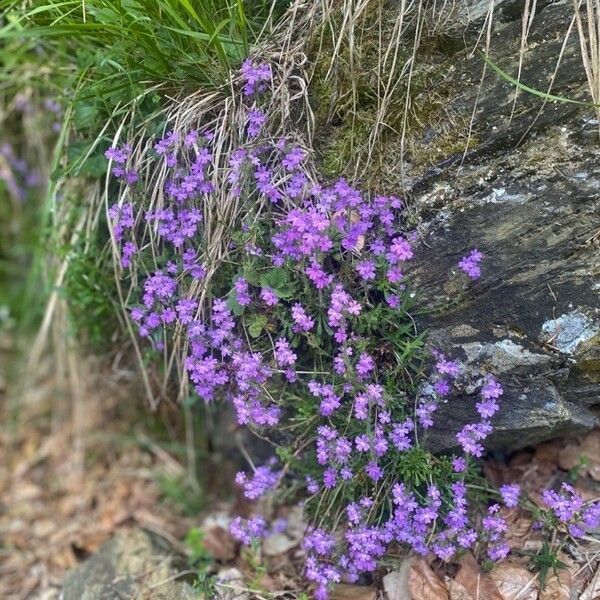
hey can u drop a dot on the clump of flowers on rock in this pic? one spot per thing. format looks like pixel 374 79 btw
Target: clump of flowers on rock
pixel 310 328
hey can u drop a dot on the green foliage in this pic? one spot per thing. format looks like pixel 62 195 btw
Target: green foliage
pixel 201 560
pixel 121 45
pixel 546 560
pixel 179 491
pixel 198 554
pixel 416 466
pixel 88 289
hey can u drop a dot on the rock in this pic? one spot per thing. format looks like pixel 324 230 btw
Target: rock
pixel 230 585
pixel 527 195
pixel 133 564
pixel 278 543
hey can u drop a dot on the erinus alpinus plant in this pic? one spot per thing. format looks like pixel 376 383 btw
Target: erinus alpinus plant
pixel 304 324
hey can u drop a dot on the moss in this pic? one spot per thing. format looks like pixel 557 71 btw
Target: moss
pixel 345 95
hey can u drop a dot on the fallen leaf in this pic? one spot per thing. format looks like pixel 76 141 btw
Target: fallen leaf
pixel 457 591
pixel 519 527
pixel 592 591
pixel 546 456
pixel 478 584
pixel 424 584
pixel 343 591
pixel 557 587
pixel 395 583
pixel 514 582
pixel 219 543
pixel 587 449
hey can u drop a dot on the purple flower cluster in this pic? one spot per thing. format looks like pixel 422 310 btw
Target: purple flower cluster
pixel 568 508
pixel 247 530
pixel 307 354
pixel 120 156
pixel 472 434
pixel 470 264
pixel 256 77
pixel 261 481
pixel 510 494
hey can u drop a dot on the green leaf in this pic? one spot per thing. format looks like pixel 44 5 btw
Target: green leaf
pixel 278 280
pixel 504 75
pixel 85 113
pixel 234 306
pixel 256 324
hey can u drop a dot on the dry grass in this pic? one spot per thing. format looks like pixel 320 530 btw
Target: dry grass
pixel 588 28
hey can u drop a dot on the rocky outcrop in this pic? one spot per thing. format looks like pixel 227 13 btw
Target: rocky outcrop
pixel 133 564
pixel 527 195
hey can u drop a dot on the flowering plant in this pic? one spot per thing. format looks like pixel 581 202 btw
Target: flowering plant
pixel 307 330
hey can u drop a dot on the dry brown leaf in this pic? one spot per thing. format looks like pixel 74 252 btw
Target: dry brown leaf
pixel 557 587
pixel 424 584
pixel 514 582
pixel 546 456
pixel 457 591
pixel 592 591
pixel 519 527
pixel 343 591
pixel 478 584
pixel 588 449
pixel 219 542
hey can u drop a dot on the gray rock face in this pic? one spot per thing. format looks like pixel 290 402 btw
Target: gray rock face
pixel 133 564
pixel 528 196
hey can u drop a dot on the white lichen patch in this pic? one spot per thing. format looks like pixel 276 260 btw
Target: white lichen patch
pixel 501 196
pixel 504 355
pixel 569 330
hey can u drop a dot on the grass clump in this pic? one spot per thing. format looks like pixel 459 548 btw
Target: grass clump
pixel 382 93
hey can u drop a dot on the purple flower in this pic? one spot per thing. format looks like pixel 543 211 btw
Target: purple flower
pixel 118 155
pixel 317 275
pixel 162 146
pixel 564 504
pixel 470 264
pixel 470 436
pixel 283 354
pixel 362 442
pixel 400 250
pixel 312 487
pixel 459 464
pixel 255 76
pixel 510 494
pixel 366 269
pixel 329 478
pixel 424 411
pixel 293 159
pixel 241 290
pixel 447 367
pixel 245 530
pixel 268 296
pixel 256 121
pixel 262 480
pixel 394 275
pixel 491 389
pixel 498 551
pixel 374 471
pixel 400 435
pixel 365 365
pixel 301 320
pixel 191 138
